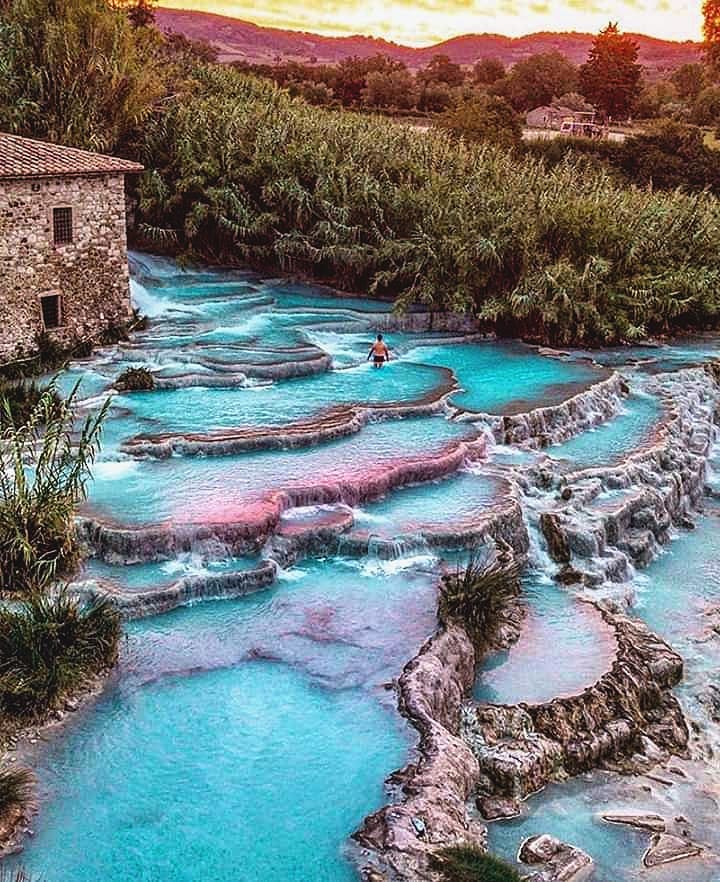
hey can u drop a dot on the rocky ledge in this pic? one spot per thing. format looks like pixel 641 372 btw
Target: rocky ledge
pixel 430 805
pixel 628 713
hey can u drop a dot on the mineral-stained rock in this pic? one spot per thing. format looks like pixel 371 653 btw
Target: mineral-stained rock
pixel 436 788
pixel 557 542
pixel 559 862
pixel 665 849
pixel 521 748
pixel 493 808
pixel 539 849
pixel 654 823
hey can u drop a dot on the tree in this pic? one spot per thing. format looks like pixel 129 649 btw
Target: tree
pixel 706 109
pixel 483 118
pixel 655 99
pixel 140 12
pixel 689 80
pixel 669 155
pixel 573 101
pixel 610 78
pixel 488 71
pixel 350 76
pixel 390 89
pixel 435 97
pixel 84 76
pixel 537 80
pixel 442 70
pixel 711 31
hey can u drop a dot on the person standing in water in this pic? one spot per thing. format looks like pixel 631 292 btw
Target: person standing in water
pixel 379 352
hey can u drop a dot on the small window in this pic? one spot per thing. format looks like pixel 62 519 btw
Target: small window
pixel 51 311
pixel 62 226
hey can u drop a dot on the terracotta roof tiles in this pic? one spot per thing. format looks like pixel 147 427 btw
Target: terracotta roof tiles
pixel 26 158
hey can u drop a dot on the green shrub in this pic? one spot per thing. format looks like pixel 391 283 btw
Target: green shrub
pixel 135 380
pixel 476 595
pixel 17 791
pixel 467 863
pixel 49 645
pixel 44 469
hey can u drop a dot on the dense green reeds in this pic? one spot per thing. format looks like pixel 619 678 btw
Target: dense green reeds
pixel 44 469
pixel 467 863
pixel 565 254
pixel 476 594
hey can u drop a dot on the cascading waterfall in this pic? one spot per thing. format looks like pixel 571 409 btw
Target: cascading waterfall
pixel 328 554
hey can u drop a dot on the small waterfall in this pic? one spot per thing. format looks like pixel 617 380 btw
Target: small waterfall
pixel 381 548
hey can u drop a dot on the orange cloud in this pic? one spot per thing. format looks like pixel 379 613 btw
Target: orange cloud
pixel 423 22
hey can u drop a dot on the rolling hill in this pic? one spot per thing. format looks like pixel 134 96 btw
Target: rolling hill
pixel 236 39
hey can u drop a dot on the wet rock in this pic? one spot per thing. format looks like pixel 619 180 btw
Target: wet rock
pixel 569 576
pixel 666 848
pixel 539 849
pixel 435 788
pixel 653 823
pixel 558 861
pixel 629 709
pixel 494 808
pixel 558 547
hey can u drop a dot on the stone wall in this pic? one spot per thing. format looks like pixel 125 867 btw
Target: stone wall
pixel 90 274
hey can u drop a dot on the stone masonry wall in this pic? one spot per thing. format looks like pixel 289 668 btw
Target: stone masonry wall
pixel 90 274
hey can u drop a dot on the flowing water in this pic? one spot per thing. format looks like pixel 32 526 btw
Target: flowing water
pixel 248 738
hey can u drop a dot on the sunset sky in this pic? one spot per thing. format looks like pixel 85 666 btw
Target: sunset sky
pixel 422 22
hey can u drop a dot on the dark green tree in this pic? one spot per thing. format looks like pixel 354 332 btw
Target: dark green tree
pixel 689 80
pixel 706 109
pixel 610 78
pixel 442 70
pixel 488 71
pixel 483 118
pixel 711 31
pixel 537 80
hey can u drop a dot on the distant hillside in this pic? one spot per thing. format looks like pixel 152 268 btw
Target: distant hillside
pixel 237 39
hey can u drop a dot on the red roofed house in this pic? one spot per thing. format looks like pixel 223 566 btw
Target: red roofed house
pixel 63 244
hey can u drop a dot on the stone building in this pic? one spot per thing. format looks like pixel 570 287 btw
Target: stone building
pixel 63 244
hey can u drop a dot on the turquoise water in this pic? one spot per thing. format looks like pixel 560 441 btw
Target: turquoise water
pixel 456 501
pixel 142 576
pixel 248 738
pixel 203 410
pixel 238 489
pixel 564 647
pixel 252 771
pixel 672 596
pixel 505 377
pixel 615 439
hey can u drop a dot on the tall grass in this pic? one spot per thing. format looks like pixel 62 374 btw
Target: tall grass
pixel 44 469
pixel 467 863
pixel 17 791
pixel 476 595
pixel 49 646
